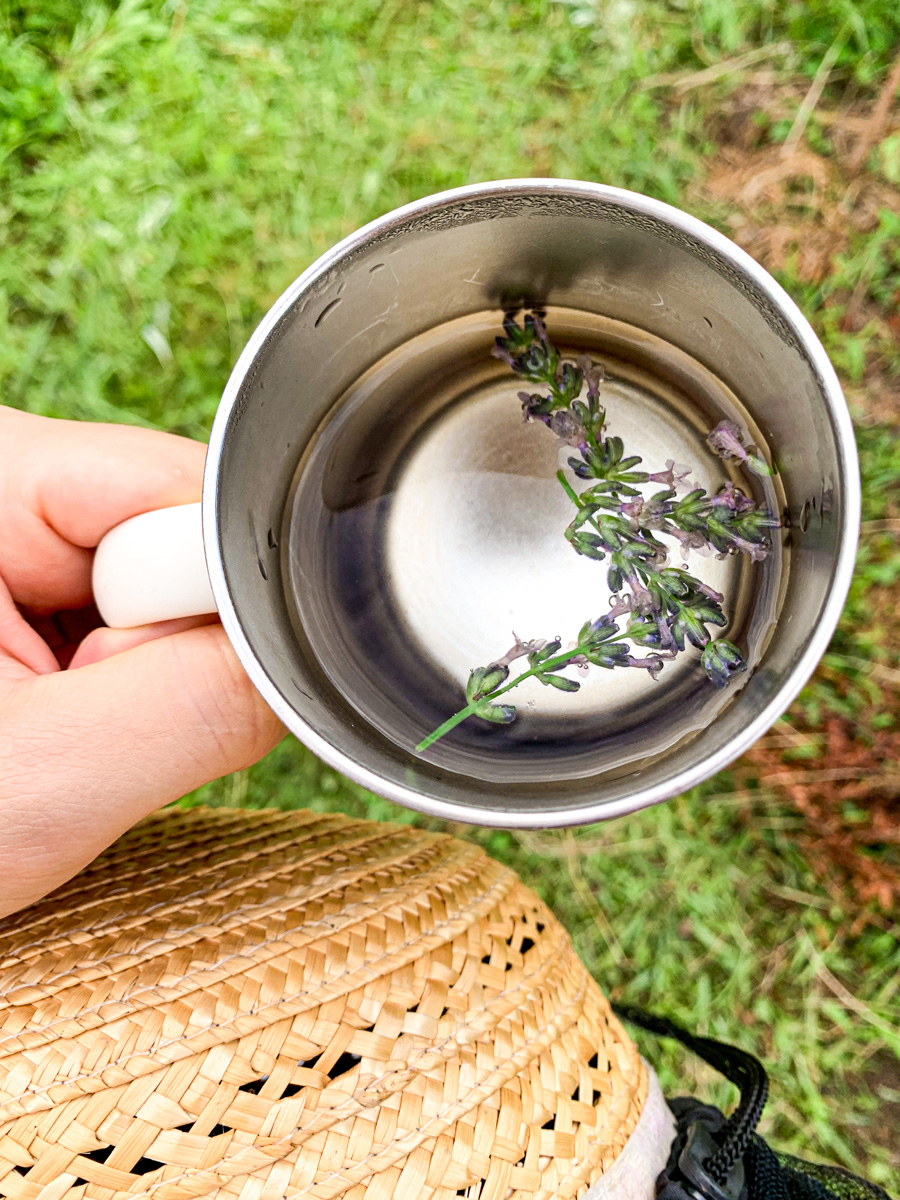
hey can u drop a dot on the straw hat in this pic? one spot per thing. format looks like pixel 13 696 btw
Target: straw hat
pixel 262 1005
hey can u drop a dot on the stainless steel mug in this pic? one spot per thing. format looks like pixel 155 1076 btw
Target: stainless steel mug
pixel 684 292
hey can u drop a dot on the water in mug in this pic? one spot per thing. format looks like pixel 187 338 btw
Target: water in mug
pixel 426 529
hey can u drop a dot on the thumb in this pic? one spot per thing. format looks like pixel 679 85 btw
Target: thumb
pixel 90 751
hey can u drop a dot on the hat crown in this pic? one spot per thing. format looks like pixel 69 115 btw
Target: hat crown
pixel 325 1006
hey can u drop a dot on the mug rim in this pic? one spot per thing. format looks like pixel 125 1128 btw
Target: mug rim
pixel 819 637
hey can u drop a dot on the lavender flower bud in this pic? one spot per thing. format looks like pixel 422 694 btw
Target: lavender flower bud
pixel 500 351
pixel 534 361
pixel 545 651
pixel 484 680
pixel 609 655
pixel 666 638
pixel 511 328
pixel 582 470
pixel 646 631
pixel 689 625
pixel 568 380
pixel 535 321
pixel 497 714
pixel 721 660
pixel 495 674
pixel 599 630
pixel 590 545
pixel 758 465
pixel 560 682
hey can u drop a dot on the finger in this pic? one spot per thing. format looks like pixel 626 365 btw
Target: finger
pixel 68 483
pixel 111 473
pixel 103 643
pixel 91 751
pixel 23 652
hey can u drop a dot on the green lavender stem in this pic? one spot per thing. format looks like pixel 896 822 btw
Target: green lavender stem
pixel 568 489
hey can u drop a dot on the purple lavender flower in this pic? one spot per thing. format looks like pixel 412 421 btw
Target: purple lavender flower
pixel 652 664
pixel 619 605
pixel 675 476
pixel 732 498
pixel 632 510
pixel 593 374
pixel 567 428
pixel 692 540
pixel 641 597
pixel 520 649
pixel 728 442
pixel 709 592
pixel 666 637
pixel 756 551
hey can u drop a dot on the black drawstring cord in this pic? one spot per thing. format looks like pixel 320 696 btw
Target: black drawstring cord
pixel 740 1068
pixel 717 1159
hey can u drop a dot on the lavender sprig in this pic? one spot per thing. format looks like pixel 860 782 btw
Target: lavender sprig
pixel 667 608
pixel 600 643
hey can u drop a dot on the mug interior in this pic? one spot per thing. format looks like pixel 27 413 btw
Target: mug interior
pixel 576 247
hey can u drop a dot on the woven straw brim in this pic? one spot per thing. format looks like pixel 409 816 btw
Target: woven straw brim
pixel 264 1005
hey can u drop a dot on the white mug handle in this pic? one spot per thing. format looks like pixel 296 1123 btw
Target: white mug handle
pixel 152 568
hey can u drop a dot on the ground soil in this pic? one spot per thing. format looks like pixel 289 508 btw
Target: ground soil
pixel 849 798
pixel 793 207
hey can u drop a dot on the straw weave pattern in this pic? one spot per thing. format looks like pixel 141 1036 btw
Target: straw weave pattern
pixel 263 1005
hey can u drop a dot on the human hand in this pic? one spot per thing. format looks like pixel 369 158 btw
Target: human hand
pixel 99 727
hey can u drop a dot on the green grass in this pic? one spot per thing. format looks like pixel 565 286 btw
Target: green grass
pixel 167 169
